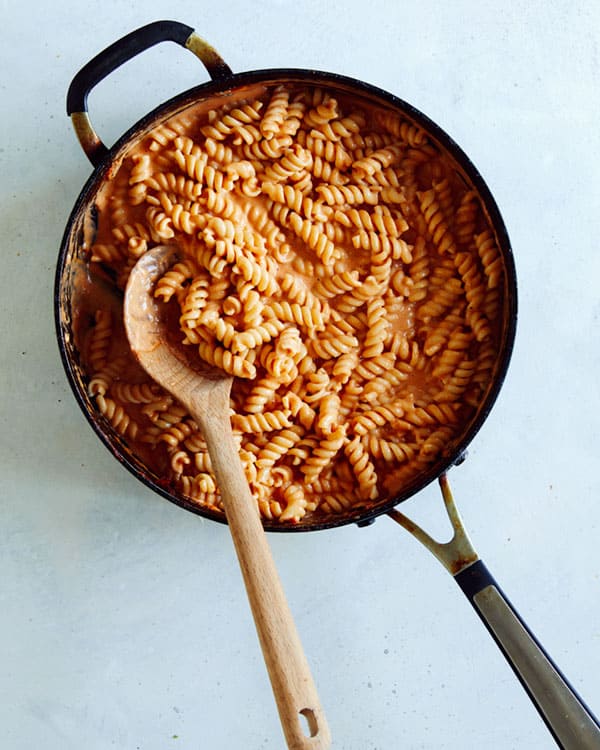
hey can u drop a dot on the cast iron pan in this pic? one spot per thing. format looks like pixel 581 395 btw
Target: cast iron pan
pixel 571 723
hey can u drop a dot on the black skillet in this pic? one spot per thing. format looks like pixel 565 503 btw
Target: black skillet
pixel 571 723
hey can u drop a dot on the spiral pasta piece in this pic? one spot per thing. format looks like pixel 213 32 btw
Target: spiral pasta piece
pixel 363 469
pixel 100 339
pixel 375 366
pixel 330 151
pixel 401 128
pixel 258 274
pixel 310 318
pixel 292 163
pixel 172 281
pixel 315 238
pixel 275 113
pixel 295 503
pixel 253 337
pixel 323 454
pixel 135 393
pixel 223 359
pixel 376 161
pixel 194 302
pixel 175 434
pixel 475 293
pixel 490 258
pixel 295 200
pixel 262 392
pixel 377 328
pixel 348 194
pixel 202 484
pixel 388 450
pixel 233 122
pixel 298 408
pixel 335 130
pixel 280 445
pixel 369 420
pixel 104 378
pixel 117 416
pixel 262 422
pixel 436 223
pixel 394 247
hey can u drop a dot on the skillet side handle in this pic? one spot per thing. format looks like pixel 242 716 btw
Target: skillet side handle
pixel 120 52
pixel 570 721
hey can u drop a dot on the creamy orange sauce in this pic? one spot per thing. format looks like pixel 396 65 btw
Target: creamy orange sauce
pixel 444 278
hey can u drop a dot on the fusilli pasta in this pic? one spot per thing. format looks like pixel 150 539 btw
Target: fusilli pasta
pixel 333 260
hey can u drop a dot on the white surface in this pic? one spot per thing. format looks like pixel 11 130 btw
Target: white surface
pixel 123 621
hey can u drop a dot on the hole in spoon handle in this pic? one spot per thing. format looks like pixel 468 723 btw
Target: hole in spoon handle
pixel 312 726
pixel 314 732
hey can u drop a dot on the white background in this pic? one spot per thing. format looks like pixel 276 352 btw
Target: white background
pixel 123 620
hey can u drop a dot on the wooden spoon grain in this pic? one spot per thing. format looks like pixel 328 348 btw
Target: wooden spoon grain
pixel 206 395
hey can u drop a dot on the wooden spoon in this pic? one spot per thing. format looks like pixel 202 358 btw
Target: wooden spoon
pixel 205 394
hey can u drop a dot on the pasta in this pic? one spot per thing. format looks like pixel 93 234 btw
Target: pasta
pixel 335 262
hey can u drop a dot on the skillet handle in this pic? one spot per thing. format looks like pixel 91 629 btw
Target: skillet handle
pixel 572 724
pixel 120 52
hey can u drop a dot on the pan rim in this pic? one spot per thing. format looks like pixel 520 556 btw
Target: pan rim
pixel 227 85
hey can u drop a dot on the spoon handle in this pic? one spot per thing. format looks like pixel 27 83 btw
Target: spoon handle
pixel 300 712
